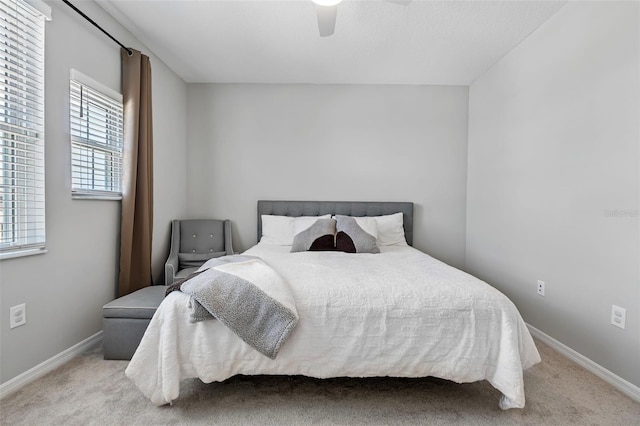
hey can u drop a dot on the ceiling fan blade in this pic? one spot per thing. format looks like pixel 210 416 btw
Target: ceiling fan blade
pixel 326 19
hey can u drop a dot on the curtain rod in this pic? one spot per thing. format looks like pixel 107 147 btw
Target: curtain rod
pixel 129 51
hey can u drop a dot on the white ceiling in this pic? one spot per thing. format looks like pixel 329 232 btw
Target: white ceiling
pixel 375 42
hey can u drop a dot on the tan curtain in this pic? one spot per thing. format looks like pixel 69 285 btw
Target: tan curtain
pixel 137 190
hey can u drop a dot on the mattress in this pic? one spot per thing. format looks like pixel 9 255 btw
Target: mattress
pixel 396 313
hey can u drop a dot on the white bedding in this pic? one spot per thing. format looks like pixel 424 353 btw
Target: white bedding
pixel 398 313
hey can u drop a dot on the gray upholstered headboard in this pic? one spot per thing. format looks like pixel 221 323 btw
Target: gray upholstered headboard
pixel 347 208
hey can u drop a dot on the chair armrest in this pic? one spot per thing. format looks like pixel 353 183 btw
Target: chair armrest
pixel 228 245
pixel 172 263
pixel 170 269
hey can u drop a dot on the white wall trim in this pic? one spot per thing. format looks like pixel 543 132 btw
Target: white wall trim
pixel 627 388
pixel 54 362
pixel 49 365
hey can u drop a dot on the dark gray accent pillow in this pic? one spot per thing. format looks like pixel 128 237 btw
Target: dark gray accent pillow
pixel 351 238
pixel 318 237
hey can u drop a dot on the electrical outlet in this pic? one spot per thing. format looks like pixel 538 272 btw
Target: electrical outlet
pixel 541 288
pixel 17 315
pixel 618 316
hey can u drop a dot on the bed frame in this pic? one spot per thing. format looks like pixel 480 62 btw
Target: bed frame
pixel 155 368
pixel 347 208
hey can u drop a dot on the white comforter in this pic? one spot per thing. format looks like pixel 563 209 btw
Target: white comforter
pixel 397 313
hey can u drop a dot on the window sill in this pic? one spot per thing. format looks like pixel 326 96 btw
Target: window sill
pixel 117 197
pixel 22 253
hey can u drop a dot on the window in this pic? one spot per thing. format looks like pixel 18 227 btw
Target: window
pixel 22 220
pixel 96 139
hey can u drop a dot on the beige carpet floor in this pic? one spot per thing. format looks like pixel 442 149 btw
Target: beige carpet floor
pixel 91 391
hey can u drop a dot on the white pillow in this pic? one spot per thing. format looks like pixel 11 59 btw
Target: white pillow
pixel 279 230
pixel 390 230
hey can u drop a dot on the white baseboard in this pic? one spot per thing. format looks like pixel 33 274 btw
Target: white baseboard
pixel 49 365
pixel 629 389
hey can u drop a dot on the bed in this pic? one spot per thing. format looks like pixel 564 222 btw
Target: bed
pixel 397 312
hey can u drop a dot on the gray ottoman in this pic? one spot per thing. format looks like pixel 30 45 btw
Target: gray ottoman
pixel 126 319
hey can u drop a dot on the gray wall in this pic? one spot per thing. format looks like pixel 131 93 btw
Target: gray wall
pixel 331 142
pixel 65 288
pixel 552 179
pixel 553 188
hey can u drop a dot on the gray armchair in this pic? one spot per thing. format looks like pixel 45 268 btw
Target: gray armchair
pixel 193 242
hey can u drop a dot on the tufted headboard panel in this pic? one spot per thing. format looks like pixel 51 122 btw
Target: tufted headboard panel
pixel 347 208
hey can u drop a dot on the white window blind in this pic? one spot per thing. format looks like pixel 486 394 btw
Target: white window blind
pixel 97 141
pixel 22 213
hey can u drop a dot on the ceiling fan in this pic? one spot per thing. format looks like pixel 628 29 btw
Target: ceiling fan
pixel 327 11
